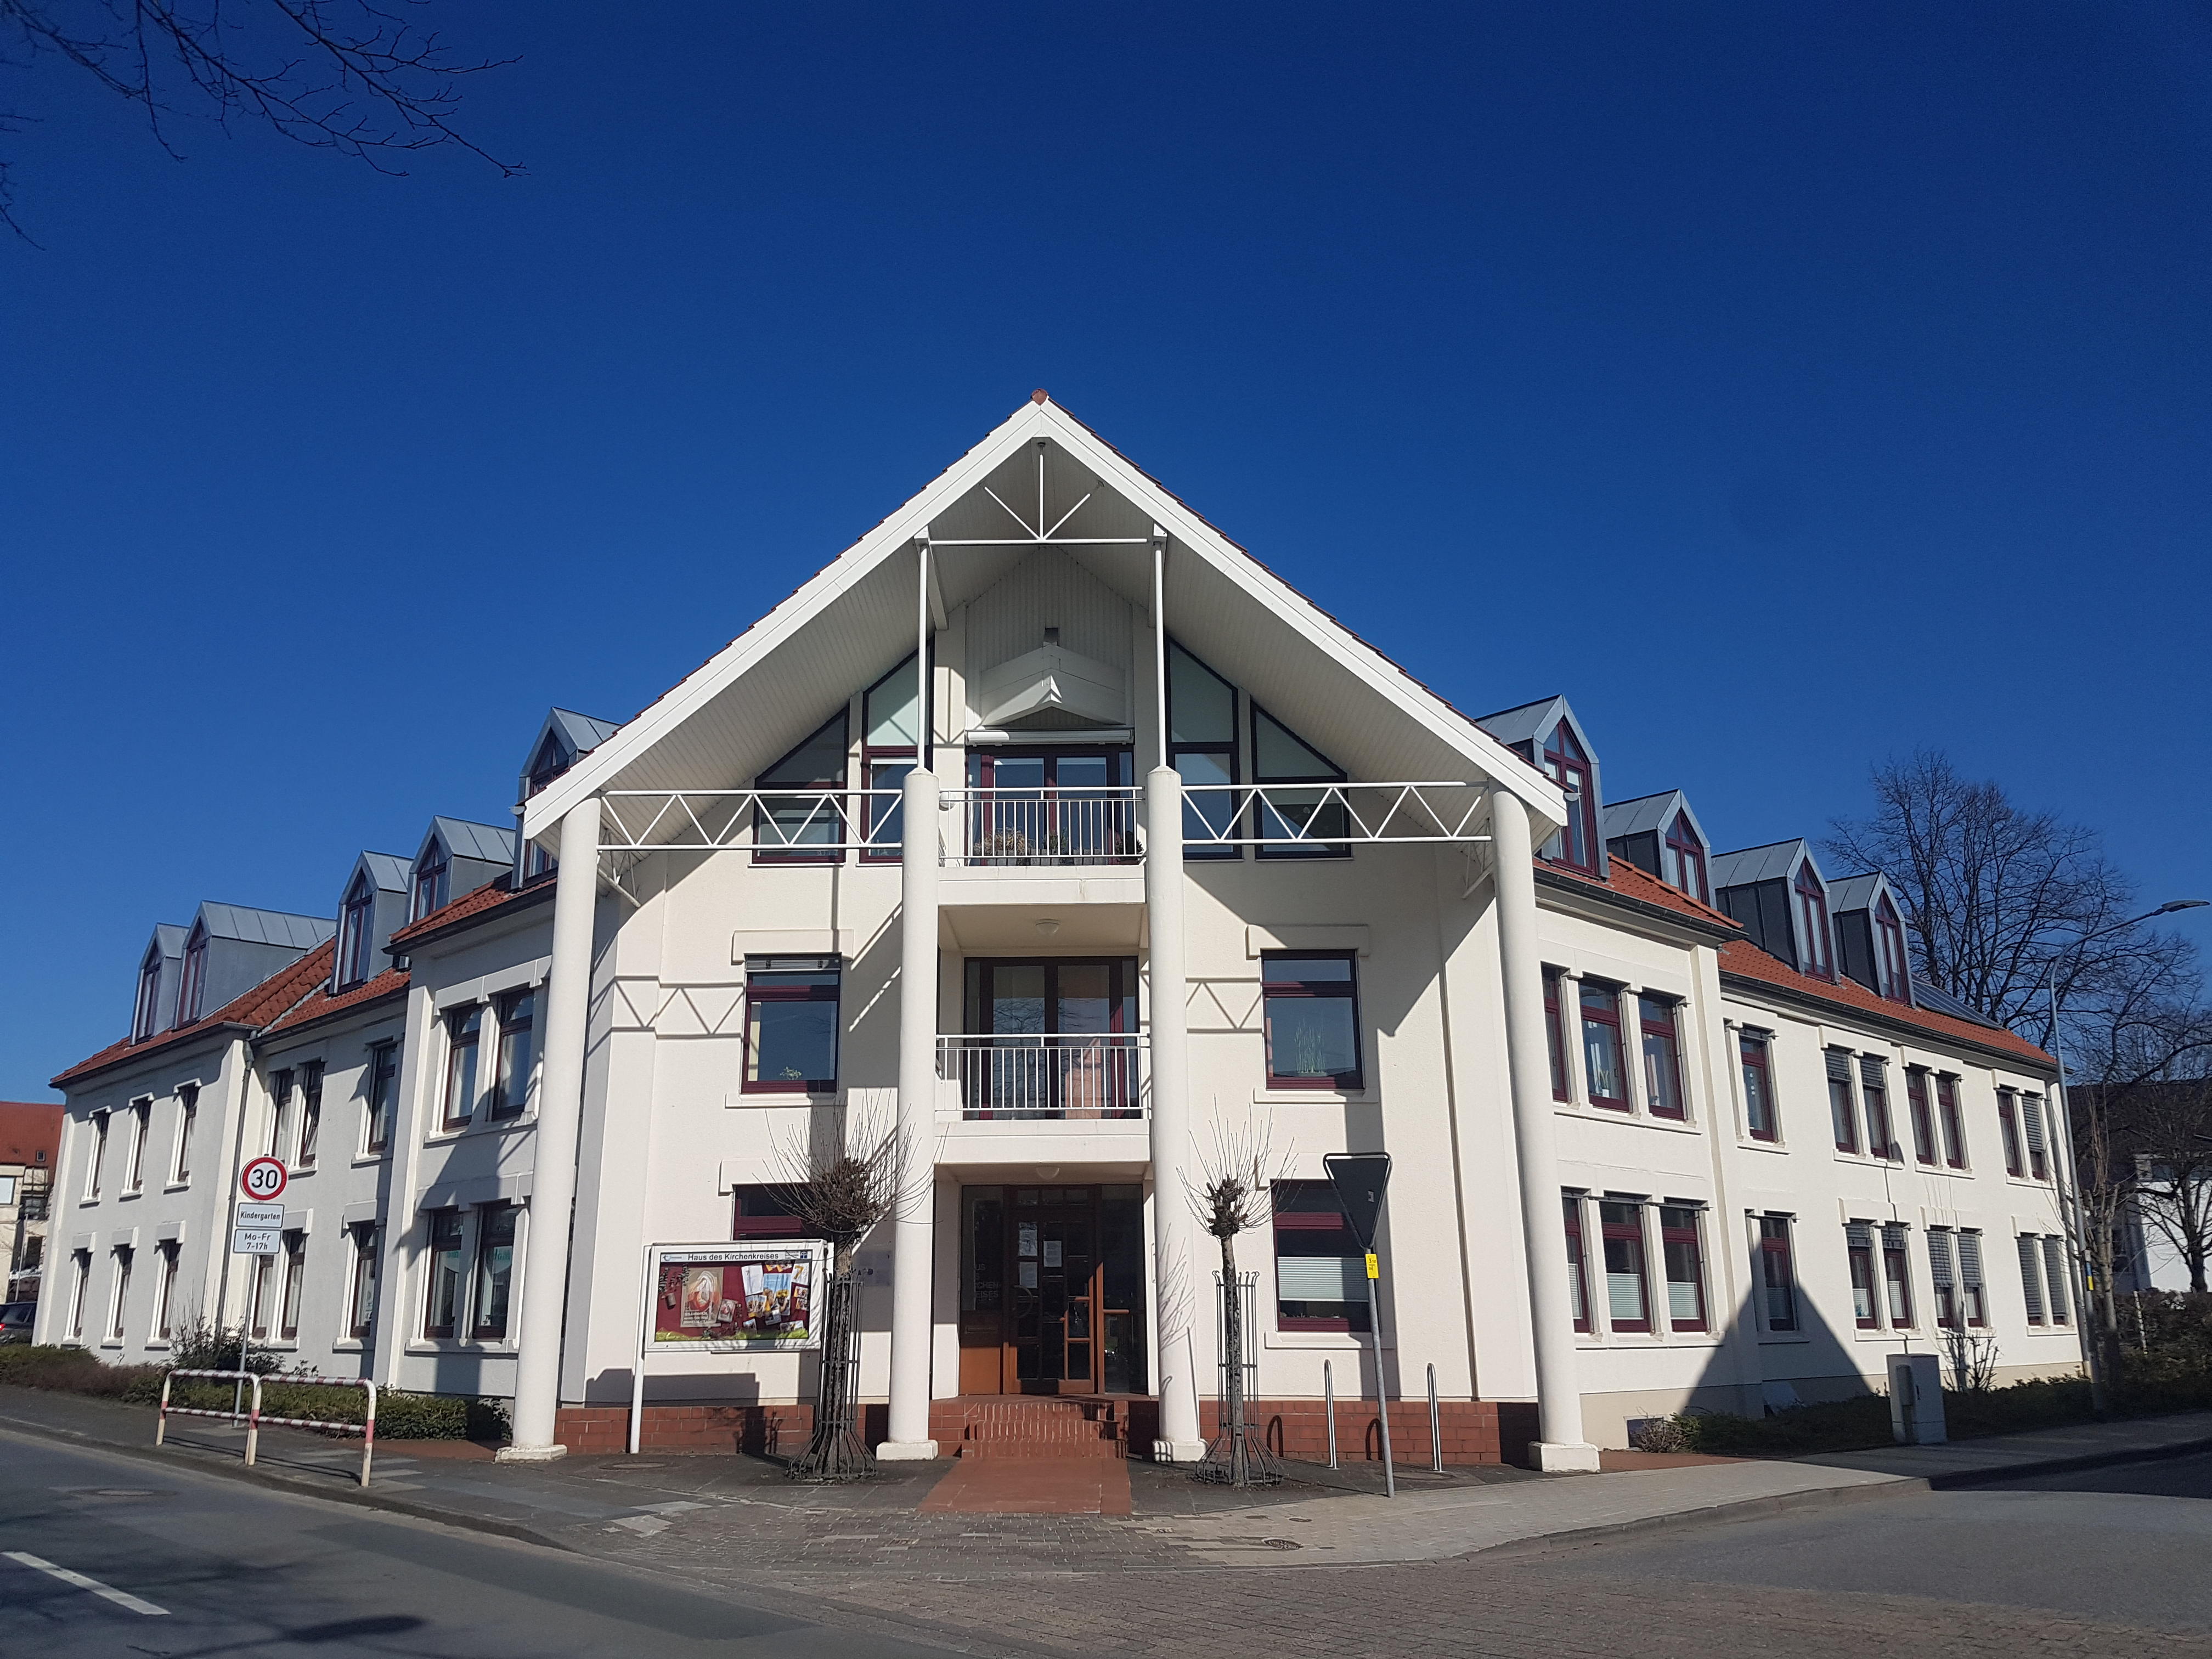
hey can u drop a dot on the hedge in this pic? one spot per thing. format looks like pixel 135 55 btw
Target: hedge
pixel 399 1415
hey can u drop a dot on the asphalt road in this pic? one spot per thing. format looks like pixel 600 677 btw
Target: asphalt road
pixel 184 1565
pixel 2131 1544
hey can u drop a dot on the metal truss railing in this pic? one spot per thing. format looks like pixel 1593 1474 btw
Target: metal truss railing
pixel 1281 817
pixel 793 821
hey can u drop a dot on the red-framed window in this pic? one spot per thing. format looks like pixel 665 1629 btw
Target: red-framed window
pixel 791 1024
pixel 1754 1052
pixel 1280 756
pixel 1973 1292
pixel 2031 1122
pixel 1578 1260
pixel 1858 1245
pixel 1954 1128
pixel 1874 1086
pixel 890 731
pixel 1663 1056
pixel 442 1301
pixel 1777 1272
pixel 1320 1271
pixel 2008 1129
pixel 357 933
pixel 2030 1274
pixel 495 1275
pixel 192 983
pixel 807 827
pixel 146 1014
pixel 1603 1072
pixel 518 1050
pixel 463 1044
pixel 311 1115
pixel 1684 859
pixel 1683 1252
pixel 1890 967
pixel 1555 1035
pixel 1897 1277
pixel 1843 1114
pixel 280 1111
pixel 766 1211
pixel 1627 1287
pixel 383 1096
pixel 1923 1120
pixel 1577 844
pixel 1044 803
pixel 1820 945
pixel 188 1118
pixel 1311 1013
pixel 360 1298
pixel 432 877
pixel 1202 749
pixel 296 1279
pixel 165 1289
pixel 1943 1278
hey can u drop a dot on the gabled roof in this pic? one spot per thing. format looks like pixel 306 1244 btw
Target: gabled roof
pixel 1648 812
pixel 1772 862
pixel 251 1011
pixel 1522 725
pixel 1743 960
pixel 236 921
pixel 169 937
pixel 325 1004
pixel 584 733
pixel 720 724
pixel 1640 887
pixel 489 843
pixel 1849 893
pixel 388 871
pixel 498 894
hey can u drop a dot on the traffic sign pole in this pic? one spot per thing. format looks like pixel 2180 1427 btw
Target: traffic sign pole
pixel 256 1229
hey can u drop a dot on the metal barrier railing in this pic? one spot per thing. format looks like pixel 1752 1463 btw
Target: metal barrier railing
pixel 254 1418
pixel 1016 827
pixel 1076 1076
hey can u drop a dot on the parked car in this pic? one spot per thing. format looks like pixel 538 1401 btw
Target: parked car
pixel 16 1321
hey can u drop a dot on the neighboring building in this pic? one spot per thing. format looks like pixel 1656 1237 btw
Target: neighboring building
pixel 30 1152
pixel 1667 1131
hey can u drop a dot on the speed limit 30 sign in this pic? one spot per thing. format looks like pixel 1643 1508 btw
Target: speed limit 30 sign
pixel 264 1179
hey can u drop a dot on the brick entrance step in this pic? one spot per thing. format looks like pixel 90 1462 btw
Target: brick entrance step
pixel 1032 1427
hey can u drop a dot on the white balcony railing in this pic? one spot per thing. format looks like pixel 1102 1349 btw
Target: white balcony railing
pixel 1086 1076
pixel 1014 826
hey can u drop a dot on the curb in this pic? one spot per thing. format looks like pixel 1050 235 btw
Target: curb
pixel 17 1428
pixel 1821 1497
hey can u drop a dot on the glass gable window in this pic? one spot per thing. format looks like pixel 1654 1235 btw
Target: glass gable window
pixel 357 933
pixel 1751 1047
pixel 1202 748
pixel 791 1024
pixel 787 826
pixel 891 741
pixel 1684 859
pixel 1816 942
pixel 1312 1017
pixel 1278 757
pixel 1602 1071
pixel 1570 767
pixel 1662 1057
pixel 433 878
pixel 1320 1271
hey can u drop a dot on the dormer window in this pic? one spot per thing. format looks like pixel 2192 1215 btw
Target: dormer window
pixel 1889 952
pixel 554 757
pixel 1684 859
pixel 1815 947
pixel 1570 767
pixel 146 1016
pixel 357 933
pixel 432 872
pixel 192 983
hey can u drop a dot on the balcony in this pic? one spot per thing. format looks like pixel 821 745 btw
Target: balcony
pixel 1012 828
pixel 1024 1078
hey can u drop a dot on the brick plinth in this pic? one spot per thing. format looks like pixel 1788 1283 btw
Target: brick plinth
pixel 774 1430
pixel 1472 1430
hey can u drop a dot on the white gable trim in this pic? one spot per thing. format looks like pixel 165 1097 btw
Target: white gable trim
pixel 594 771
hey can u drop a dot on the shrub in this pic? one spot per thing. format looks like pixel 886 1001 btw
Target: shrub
pixel 73 1370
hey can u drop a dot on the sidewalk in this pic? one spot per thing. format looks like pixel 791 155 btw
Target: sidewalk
pixel 701 1514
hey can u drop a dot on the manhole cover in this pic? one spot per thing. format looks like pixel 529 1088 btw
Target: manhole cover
pixel 1282 1543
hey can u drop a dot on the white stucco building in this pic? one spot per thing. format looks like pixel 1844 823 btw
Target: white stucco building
pixel 1047 824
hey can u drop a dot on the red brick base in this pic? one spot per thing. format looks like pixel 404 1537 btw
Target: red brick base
pixel 775 1431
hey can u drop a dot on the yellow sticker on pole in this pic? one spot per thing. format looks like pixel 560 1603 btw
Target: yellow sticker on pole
pixel 1374 1266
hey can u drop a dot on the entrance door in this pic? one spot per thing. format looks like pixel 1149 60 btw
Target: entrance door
pixel 1051 1288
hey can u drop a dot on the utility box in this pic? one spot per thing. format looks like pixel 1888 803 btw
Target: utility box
pixel 1916 1399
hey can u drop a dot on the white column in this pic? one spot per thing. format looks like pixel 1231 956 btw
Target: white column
pixel 1551 1313
pixel 1174 1228
pixel 553 1163
pixel 915 1229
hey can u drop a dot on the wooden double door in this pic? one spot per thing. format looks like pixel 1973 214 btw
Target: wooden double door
pixel 1052 1290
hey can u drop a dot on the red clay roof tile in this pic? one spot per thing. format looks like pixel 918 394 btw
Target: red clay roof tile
pixel 256 1009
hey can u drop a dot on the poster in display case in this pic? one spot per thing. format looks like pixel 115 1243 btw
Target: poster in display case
pixel 725 1298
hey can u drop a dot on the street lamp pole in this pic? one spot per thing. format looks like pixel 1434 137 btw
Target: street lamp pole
pixel 2069 1176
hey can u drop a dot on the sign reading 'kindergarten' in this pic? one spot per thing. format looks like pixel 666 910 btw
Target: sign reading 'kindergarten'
pixel 735 1297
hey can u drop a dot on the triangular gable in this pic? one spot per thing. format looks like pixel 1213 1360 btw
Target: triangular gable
pixel 1215 589
pixel 1776 862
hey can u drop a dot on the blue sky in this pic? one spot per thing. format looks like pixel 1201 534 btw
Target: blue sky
pixel 1791 387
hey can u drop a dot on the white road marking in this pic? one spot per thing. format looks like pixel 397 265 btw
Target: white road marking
pixel 121 1598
